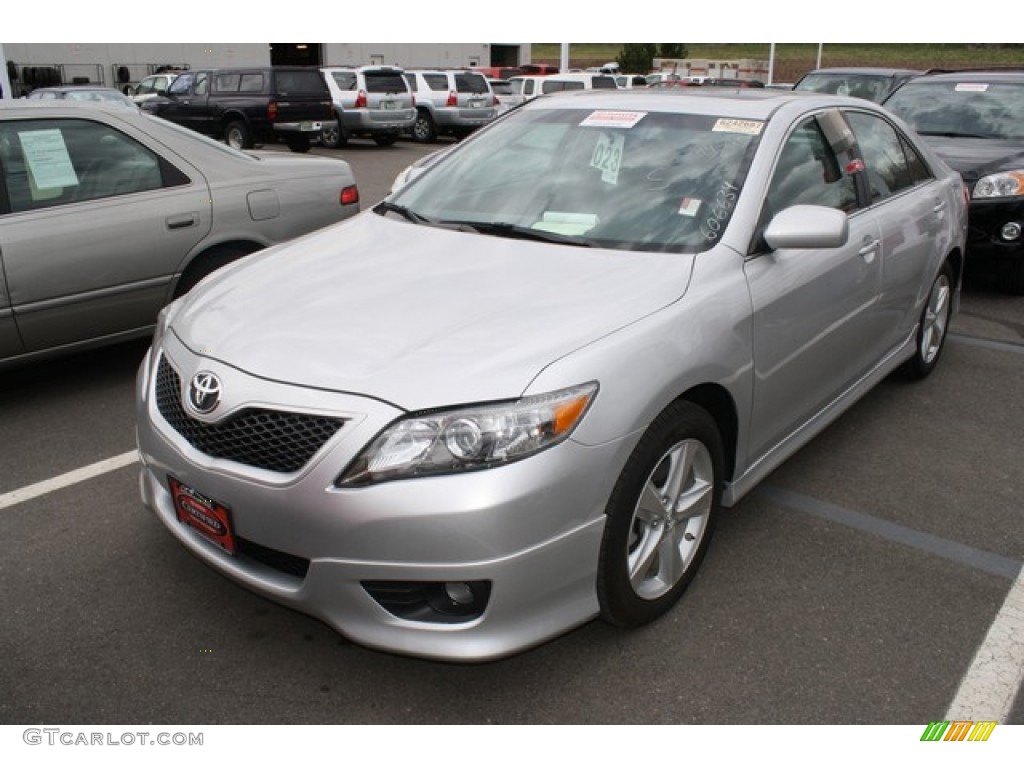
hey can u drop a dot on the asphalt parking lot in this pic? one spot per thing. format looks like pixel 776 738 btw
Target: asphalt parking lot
pixel 855 585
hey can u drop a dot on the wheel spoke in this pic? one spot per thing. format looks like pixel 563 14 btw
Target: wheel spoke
pixel 642 558
pixel 651 509
pixel 680 467
pixel 695 502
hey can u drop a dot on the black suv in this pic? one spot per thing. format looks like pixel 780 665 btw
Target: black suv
pixel 974 120
pixel 249 105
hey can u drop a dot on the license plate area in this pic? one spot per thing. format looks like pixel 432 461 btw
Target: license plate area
pixel 208 518
pixel 307 125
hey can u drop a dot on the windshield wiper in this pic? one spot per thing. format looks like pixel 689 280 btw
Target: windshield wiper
pixel 515 231
pixel 402 211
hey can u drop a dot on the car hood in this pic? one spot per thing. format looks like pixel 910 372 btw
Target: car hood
pixel 419 316
pixel 974 158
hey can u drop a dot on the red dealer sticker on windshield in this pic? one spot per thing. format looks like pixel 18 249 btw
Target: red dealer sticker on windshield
pixel 604 118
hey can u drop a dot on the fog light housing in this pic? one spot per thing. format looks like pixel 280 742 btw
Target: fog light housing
pixel 1010 231
pixel 434 602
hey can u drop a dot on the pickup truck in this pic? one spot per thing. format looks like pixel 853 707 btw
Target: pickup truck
pixel 249 105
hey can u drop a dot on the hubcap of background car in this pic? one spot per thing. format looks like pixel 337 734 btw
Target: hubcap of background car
pixel 235 139
pixel 936 318
pixel 670 519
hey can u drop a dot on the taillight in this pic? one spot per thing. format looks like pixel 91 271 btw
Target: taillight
pixel 350 195
pixel 361 100
pixel 495 100
pixel 453 99
pixel 272 110
pixel 413 99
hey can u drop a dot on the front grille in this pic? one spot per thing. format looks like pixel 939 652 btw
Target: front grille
pixel 276 440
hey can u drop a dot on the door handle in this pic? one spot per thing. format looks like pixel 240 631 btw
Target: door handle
pixel 869 249
pixel 181 222
pixel 940 206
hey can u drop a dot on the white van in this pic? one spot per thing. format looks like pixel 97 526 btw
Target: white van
pixel 531 86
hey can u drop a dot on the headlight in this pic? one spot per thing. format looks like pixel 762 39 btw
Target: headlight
pixel 1005 184
pixel 441 442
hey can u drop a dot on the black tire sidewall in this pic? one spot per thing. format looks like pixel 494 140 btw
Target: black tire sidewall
pixel 620 605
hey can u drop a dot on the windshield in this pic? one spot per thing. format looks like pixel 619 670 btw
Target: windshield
pixel 987 110
pixel 870 87
pixel 646 181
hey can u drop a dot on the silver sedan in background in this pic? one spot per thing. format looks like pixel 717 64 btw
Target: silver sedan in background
pixel 514 396
pixel 108 214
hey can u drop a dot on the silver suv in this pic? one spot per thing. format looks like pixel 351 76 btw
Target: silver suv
pixel 373 101
pixel 455 102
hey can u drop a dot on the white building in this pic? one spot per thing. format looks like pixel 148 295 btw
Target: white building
pixel 117 64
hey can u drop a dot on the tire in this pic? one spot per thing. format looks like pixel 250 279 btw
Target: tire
pixel 423 130
pixel 335 137
pixel 933 326
pixel 238 135
pixel 385 139
pixel 299 144
pixel 210 262
pixel 652 548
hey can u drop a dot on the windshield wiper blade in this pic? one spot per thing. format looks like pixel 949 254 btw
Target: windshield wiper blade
pixel 504 229
pixel 402 211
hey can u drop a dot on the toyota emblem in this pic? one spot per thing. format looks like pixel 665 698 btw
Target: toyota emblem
pixel 204 392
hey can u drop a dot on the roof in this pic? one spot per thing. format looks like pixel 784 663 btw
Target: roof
pixel 962 75
pixel 741 103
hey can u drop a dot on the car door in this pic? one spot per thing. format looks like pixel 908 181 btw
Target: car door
pixel 10 341
pixel 186 103
pixel 913 215
pixel 813 310
pixel 97 225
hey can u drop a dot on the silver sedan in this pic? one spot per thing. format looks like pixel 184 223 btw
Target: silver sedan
pixel 515 395
pixel 108 214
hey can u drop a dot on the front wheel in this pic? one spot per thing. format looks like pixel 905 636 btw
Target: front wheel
pixel 933 326
pixel 238 135
pixel 660 516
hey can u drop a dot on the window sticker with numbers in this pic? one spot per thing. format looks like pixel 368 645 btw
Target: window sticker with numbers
pixel 607 156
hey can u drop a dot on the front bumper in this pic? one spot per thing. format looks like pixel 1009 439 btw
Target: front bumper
pixel 985 222
pixel 530 530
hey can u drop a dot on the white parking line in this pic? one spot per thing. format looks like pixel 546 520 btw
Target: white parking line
pixel 988 689
pixel 68 478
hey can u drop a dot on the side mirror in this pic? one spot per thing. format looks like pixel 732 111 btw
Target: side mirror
pixel 807 226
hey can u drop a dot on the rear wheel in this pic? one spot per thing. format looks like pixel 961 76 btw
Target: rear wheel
pixel 298 144
pixel 933 326
pixel 238 135
pixel 209 262
pixel 660 516
pixel 424 130
pixel 333 137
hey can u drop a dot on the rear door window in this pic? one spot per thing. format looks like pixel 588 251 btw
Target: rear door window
pixel 470 82
pixel 385 82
